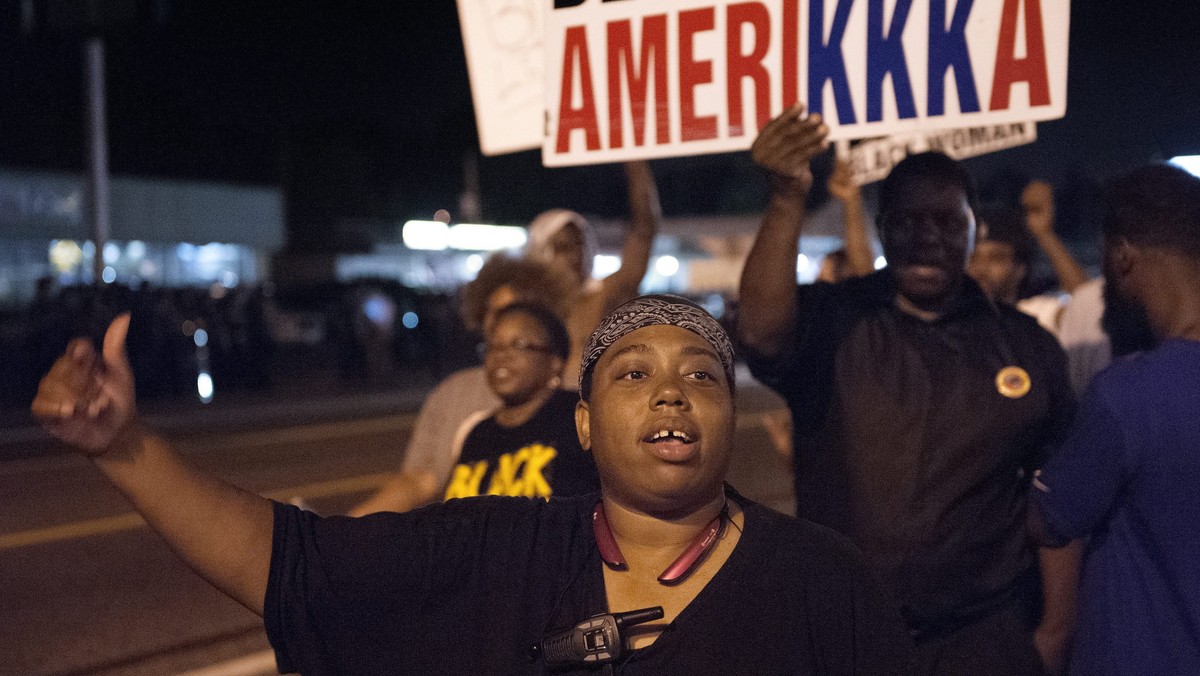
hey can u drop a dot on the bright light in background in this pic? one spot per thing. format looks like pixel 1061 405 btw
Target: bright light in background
pixel 65 255
pixel 210 259
pixel 229 279
pixel 714 303
pixel 474 263
pixel 109 275
pixel 880 263
pixel 426 235
pixel 379 309
pixel 666 266
pixel 1188 163
pixel 604 265
pixel 806 268
pixel 410 320
pixel 135 249
pixel 437 236
pixel 475 237
pixel 204 387
pixel 200 337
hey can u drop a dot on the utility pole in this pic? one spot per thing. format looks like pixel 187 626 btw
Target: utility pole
pixel 470 200
pixel 92 20
pixel 97 133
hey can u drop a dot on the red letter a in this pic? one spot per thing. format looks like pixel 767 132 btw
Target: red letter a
pixel 1032 68
pixel 575 53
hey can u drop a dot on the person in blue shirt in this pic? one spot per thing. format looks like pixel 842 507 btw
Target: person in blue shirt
pixel 1128 474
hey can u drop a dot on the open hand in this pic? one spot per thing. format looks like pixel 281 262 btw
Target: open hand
pixel 87 399
pixel 787 143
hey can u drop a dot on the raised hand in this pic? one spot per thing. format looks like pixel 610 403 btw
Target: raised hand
pixel 1038 201
pixel 841 182
pixel 787 143
pixel 87 399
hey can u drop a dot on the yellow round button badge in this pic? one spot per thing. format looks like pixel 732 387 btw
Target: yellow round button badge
pixel 1013 382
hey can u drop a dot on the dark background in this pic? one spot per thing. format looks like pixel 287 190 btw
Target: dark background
pixel 362 110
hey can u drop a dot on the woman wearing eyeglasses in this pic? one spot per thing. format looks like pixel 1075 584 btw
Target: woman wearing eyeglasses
pixel 464 398
pixel 528 446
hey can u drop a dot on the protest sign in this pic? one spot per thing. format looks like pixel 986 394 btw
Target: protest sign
pixel 635 79
pixel 503 40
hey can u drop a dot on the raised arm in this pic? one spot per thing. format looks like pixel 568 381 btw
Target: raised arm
pixel 646 214
pixel 859 257
pixel 784 147
pixel 1038 201
pixel 222 532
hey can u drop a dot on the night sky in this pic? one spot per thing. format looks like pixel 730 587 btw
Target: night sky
pixel 361 110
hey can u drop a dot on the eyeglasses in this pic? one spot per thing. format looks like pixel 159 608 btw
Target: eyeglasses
pixel 519 346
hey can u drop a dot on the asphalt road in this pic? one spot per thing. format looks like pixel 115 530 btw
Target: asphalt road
pixel 89 589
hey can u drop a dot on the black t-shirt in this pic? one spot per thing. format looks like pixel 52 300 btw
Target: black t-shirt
pixel 469 586
pixel 904 441
pixel 537 459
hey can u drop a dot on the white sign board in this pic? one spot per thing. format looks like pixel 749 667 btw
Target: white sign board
pixel 657 78
pixel 506 62
pixel 872 160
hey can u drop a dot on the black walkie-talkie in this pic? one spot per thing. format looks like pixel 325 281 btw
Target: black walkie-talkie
pixel 597 640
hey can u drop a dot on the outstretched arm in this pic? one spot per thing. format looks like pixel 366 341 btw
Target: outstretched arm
pixel 405 491
pixel 646 214
pixel 767 314
pixel 858 245
pixel 1038 201
pixel 222 532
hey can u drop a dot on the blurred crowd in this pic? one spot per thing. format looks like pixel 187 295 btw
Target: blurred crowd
pixel 196 342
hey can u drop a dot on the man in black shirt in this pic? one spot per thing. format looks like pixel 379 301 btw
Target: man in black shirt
pixel 919 408
pixel 468 586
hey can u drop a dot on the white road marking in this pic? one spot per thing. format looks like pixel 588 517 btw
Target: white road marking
pixel 131 520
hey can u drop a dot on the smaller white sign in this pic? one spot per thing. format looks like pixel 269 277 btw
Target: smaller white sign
pixel 504 42
pixel 872 160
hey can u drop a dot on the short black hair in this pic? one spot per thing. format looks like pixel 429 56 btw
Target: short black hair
pixel 559 341
pixel 1007 226
pixel 925 166
pixel 1155 205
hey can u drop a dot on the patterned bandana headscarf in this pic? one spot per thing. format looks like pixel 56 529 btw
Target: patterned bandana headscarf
pixel 654 310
